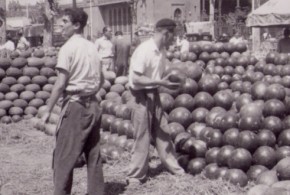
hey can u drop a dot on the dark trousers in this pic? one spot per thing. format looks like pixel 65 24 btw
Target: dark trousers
pixel 121 69
pixel 79 132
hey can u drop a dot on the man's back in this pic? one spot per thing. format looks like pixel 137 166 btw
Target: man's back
pixel 284 45
pixel 122 50
pixel 79 57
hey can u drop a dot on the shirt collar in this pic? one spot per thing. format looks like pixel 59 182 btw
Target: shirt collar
pixel 154 45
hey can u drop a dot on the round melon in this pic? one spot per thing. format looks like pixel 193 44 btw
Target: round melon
pixel 16 118
pixel 37 102
pixel 50 62
pixel 27 95
pixel 267 177
pixel 48 87
pixel 44 95
pixel 5 104
pixel 118 88
pixel 123 80
pixel 13 72
pixel 4 88
pixel 35 62
pixel 25 54
pixel 38 53
pixel 40 80
pixel 30 71
pixel 14 54
pixel 18 88
pixel 283 169
pixel 51 80
pixel 2 112
pixel 20 103
pixel 258 190
pixel 5 63
pixel 29 110
pixel 48 72
pixel 6 120
pixel 16 111
pixel 2 73
pixel 32 87
pixel 110 76
pixel 9 81
pixel 19 62
pixel 24 80
pixel 11 96
pixel 2 96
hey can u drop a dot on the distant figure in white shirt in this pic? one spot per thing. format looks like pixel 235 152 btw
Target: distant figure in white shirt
pixel 183 44
pixel 237 38
pixel 22 44
pixel 9 45
pixel 105 48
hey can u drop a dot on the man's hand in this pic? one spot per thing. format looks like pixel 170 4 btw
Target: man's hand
pixel 45 117
pixel 168 84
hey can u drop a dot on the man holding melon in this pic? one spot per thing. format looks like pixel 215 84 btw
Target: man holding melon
pixel 145 76
pixel 79 79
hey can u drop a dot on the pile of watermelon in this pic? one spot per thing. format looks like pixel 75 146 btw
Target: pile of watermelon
pixel 229 119
pixel 27 79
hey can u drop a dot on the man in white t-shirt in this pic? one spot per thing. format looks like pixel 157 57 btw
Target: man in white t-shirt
pixel 237 38
pixel 79 79
pixel 105 49
pixel 9 45
pixel 145 76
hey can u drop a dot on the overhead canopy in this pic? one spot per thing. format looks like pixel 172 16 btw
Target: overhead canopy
pixel 272 13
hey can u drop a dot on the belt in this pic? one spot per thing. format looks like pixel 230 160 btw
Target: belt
pixel 108 57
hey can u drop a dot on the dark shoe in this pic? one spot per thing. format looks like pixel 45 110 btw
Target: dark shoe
pixel 80 162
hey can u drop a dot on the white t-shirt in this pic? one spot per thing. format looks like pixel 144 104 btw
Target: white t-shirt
pixel 9 45
pixel 147 60
pixel 184 46
pixel 79 58
pixel 235 40
pixel 104 47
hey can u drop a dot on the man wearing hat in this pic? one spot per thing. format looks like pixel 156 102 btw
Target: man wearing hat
pixel 146 74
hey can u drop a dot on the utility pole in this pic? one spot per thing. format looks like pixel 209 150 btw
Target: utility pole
pixel 3 20
pixel 74 2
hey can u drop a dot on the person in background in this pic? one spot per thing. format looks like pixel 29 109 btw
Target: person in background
pixel 237 38
pixel 122 52
pixel 266 35
pixel 224 38
pixel 9 45
pixel 105 49
pixel 79 79
pixel 284 43
pixel 23 44
pixel 184 44
pixel 146 75
pixel 135 42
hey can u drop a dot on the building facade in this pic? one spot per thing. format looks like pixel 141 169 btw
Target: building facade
pixel 129 15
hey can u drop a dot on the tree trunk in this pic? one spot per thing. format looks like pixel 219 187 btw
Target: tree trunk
pixel 48 26
pixel 220 16
pixel 3 27
pixel 74 3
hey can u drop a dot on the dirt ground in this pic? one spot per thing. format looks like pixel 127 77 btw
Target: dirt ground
pixel 25 169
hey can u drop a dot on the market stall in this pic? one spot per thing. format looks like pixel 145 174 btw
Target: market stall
pixel 271 14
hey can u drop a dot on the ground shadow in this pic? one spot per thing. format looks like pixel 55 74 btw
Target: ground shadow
pixel 114 188
pixel 154 171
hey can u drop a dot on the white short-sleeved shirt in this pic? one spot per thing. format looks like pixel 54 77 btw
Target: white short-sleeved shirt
pixel 104 47
pixel 9 45
pixel 79 58
pixel 184 46
pixel 147 60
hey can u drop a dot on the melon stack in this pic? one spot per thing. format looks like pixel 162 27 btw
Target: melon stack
pixel 117 130
pixel 26 82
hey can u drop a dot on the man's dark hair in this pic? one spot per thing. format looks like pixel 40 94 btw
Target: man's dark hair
pixel 77 16
pixel 105 29
pixel 118 33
